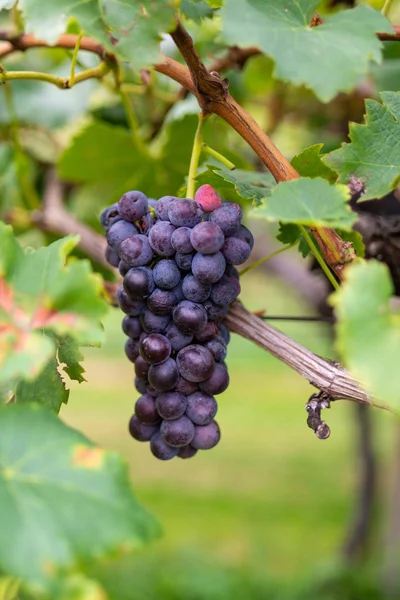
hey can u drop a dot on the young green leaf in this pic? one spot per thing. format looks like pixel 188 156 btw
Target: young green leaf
pixel 328 59
pixel 309 164
pixel 307 201
pixel 248 185
pixel 65 502
pixel 373 155
pixel 367 331
pixel 196 9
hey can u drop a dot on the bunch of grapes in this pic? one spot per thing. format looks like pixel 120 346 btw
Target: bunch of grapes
pixel 177 260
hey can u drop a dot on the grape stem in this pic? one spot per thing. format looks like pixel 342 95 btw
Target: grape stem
pixel 60 82
pixel 218 156
pixel 318 256
pixel 74 59
pixel 194 159
pixel 386 7
pixel 265 258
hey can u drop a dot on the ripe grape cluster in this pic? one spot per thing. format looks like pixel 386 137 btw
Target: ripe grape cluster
pixel 177 260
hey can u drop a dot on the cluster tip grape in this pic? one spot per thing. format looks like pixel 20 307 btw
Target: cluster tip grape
pixel 177 257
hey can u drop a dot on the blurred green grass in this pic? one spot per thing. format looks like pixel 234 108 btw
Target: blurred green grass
pixel 270 495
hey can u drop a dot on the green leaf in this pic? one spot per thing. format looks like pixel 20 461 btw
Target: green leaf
pixel 70 355
pixel 106 156
pixel 367 332
pixel 65 502
pixel 248 185
pixel 47 389
pixel 309 164
pixel 356 239
pixel 291 234
pixel 48 20
pixel 309 202
pixel 196 9
pixel 328 59
pixel 38 292
pixel 373 155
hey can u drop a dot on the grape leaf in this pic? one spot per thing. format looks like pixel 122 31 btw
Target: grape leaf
pixel 367 332
pixel 249 185
pixel 38 291
pixel 291 234
pixel 70 355
pixel 131 29
pixel 196 9
pixel 373 155
pixel 308 202
pixel 328 59
pixel 309 164
pixel 47 389
pixel 65 501
pixel 106 156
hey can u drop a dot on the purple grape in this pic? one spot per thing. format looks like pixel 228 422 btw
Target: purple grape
pixel 184 212
pixel 184 261
pixel 186 387
pixel 161 302
pixel 160 238
pixel 164 377
pixel 118 232
pixel 232 271
pixel 207 237
pixel 235 250
pixel 152 323
pixel 132 206
pixel 171 405
pixel 145 223
pixel 195 363
pixel 187 452
pixel 161 449
pixel 146 411
pixel 162 206
pixel 136 251
pixel 131 327
pixel 123 268
pixel 109 216
pixel 217 382
pixel 226 290
pixel 155 348
pixel 189 317
pixel 206 436
pixel 216 312
pixel 112 256
pixel 223 331
pixel 245 235
pixel 228 218
pixel 132 349
pixel 140 385
pixel 141 368
pixel 178 293
pixel 142 432
pixel 217 348
pixel 130 307
pixel 208 268
pixel 139 282
pixel 180 240
pixel 209 332
pixel 177 339
pixel 166 274
pixel 151 391
pixel 152 202
pixel 194 289
pixel 177 433
pixel 201 408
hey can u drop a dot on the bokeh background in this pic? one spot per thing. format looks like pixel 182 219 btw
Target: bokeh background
pixel 268 513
